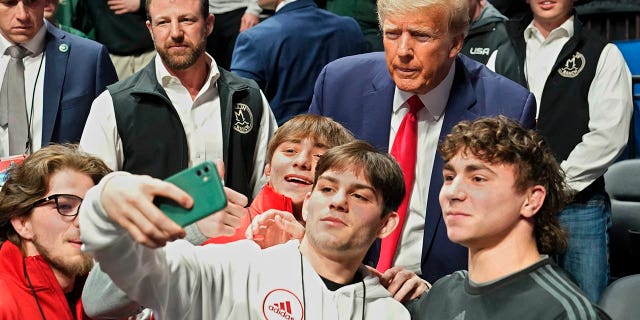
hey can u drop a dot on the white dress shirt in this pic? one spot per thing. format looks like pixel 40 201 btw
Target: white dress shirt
pixel 409 251
pixel 283 3
pixel 200 118
pixel 34 66
pixel 610 103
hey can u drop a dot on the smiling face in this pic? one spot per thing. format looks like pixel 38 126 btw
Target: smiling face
pixel 418 48
pixel 479 201
pixel 179 31
pixel 292 168
pixel 344 214
pixel 20 20
pixel 550 14
pixel 53 236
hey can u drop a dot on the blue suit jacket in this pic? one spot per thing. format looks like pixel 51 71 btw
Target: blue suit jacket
pixel 76 71
pixel 358 92
pixel 285 53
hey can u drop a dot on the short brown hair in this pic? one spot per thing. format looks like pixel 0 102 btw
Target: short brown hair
pixel 322 129
pixel 382 171
pixel 502 140
pixel 29 181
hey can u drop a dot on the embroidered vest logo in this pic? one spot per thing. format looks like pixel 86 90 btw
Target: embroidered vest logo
pixel 573 66
pixel 243 118
pixel 282 304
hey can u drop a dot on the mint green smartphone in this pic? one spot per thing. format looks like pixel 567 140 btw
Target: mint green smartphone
pixel 203 184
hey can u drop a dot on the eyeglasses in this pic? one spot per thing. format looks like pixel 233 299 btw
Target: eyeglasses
pixel 67 205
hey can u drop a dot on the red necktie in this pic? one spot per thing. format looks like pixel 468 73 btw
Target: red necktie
pixel 404 149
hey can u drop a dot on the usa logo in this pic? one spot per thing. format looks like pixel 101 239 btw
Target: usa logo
pixel 282 304
pixel 243 118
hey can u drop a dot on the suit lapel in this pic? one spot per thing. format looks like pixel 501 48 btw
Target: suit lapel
pixel 376 124
pixel 57 55
pixel 459 107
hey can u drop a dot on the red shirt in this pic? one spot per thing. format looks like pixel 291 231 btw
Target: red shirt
pixel 17 299
pixel 265 200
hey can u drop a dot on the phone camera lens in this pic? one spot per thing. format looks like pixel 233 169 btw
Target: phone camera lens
pixel 206 169
pixel 198 173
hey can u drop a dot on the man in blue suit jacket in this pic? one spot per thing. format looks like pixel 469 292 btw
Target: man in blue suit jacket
pixel 285 53
pixel 368 93
pixel 63 73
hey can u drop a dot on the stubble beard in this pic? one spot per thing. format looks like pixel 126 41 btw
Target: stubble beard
pixel 69 268
pixel 181 62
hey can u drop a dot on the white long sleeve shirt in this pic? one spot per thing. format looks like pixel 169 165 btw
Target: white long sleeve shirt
pixel 200 118
pixel 232 281
pixel 430 118
pixel 610 102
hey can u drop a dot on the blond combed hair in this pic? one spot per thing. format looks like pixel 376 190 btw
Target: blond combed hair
pixel 458 11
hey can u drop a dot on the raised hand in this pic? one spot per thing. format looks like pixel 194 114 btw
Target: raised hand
pixel 274 227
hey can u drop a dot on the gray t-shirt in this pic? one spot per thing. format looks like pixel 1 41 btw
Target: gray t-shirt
pixel 541 291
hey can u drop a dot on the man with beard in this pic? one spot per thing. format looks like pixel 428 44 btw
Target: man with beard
pixel 42 269
pixel 182 109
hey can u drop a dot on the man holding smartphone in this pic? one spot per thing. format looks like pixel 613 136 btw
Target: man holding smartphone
pixel 353 201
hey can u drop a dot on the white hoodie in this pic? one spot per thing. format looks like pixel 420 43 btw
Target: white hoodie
pixel 233 281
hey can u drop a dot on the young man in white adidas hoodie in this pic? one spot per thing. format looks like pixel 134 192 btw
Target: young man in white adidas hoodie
pixel 353 201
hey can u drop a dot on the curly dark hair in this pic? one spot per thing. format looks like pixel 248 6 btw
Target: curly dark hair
pixel 502 140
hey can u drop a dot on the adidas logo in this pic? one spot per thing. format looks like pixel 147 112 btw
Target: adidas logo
pixel 282 304
pixel 282 309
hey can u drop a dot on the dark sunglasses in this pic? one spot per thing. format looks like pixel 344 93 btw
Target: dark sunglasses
pixel 67 205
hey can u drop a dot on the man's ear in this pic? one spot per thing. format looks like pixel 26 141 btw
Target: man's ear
pixel 209 23
pixel 388 224
pixel 304 206
pixel 533 202
pixel 456 45
pixel 267 170
pixel 23 228
pixel 148 23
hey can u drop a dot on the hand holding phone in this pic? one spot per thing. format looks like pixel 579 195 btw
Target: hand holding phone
pixel 203 184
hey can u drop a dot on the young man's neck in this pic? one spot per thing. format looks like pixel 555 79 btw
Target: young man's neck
pixel 339 268
pixel 545 27
pixel 194 77
pixel 510 256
